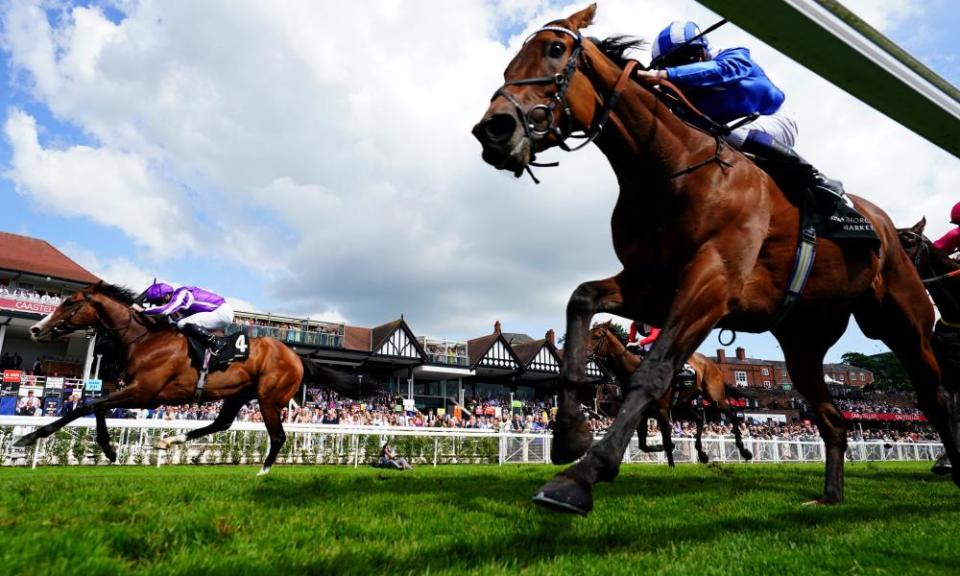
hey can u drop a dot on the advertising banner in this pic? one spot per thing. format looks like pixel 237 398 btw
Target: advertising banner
pixel 26 306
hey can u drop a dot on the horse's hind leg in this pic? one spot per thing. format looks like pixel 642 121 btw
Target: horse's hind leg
pixel 228 413
pixel 804 357
pixel 904 327
pixel 271 419
pixel 103 436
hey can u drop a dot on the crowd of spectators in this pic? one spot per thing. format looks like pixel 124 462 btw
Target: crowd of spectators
pixel 876 407
pixel 38 296
pixel 529 417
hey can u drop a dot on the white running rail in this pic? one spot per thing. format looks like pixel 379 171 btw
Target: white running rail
pixel 247 443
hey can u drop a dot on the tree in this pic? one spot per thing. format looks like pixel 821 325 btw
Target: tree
pixel 620 331
pixel 888 374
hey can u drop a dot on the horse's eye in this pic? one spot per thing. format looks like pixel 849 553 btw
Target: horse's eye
pixel 557 49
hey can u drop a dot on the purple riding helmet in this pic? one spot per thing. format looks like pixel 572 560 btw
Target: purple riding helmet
pixel 158 291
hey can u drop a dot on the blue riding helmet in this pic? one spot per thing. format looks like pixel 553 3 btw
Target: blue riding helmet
pixel 158 291
pixel 676 34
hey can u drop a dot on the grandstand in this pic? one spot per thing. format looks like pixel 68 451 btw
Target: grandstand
pixel 490 381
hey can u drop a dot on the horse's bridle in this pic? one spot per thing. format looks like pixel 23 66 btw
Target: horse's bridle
pixel 533 129
pixel 88 299
pixel 596 356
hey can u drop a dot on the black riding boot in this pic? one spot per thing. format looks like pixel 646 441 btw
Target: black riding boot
pixel 209 339
pixel 828 191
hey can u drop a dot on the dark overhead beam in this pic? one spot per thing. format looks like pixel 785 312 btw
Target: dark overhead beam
pixel 829 40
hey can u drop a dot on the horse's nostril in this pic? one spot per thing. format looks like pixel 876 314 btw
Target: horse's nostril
pixel 34 329
pixel 499 128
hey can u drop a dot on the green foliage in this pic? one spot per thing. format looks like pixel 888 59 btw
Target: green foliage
pixel 729 519
pixel 620 331
pixel 888 374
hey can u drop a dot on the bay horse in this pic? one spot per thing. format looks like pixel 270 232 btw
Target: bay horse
pixel 706 239
pixel 941 275
pixel 606 347
pixel 159 370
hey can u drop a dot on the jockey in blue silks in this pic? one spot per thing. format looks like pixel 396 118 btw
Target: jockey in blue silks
pixel 199 311
pixel 727 85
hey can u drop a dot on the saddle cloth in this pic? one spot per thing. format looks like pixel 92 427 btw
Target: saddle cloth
pixel 236 347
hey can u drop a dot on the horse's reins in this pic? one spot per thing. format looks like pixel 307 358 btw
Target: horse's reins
pixel 923 250
pixel 562 81
pixel 120 334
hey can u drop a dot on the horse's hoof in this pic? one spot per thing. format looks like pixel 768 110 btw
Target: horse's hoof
pixel 702 457
pixel 161 445
pixel 263 472
pixel 822 501
pixel 564 494
pixel 942 466
pixel 746 455
pixel 570 442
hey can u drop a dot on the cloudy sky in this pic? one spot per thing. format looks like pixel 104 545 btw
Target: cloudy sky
pixel 314 158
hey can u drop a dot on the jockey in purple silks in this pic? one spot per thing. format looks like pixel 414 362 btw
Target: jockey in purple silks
pixel 199 311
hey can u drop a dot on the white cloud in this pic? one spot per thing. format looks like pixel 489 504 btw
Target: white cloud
pixel 331 150
pixel 109 187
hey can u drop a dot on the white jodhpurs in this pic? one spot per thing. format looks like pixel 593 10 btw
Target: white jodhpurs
pixel 217 319
pixel 781 127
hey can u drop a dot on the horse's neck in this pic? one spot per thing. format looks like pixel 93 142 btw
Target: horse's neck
pixel 626 363
pixel 643 138
pixel 946 292
pixel 118 319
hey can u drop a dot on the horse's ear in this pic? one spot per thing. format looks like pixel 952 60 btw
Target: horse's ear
pixel 919 226
pixel 583 18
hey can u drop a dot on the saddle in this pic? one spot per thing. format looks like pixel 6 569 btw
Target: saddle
pixel 836 220
pixel 233 347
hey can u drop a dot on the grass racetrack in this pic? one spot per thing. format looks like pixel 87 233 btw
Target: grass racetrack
pixel 732 519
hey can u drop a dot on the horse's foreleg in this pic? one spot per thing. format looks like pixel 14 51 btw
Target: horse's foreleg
pixel 48 429
pixel 642 438
pixel 699 418
pixel 103 435
pixel 663 421
pixel 699 303
pixel 571 438
pixel 735 422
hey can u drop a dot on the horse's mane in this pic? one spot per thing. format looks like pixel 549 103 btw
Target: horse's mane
pixel 939 256
pixel 121 294
pixel 615 47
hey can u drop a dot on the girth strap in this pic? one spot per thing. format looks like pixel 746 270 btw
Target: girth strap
pixel 802 266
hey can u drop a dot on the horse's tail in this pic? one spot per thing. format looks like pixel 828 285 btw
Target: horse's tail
pixel 347 385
